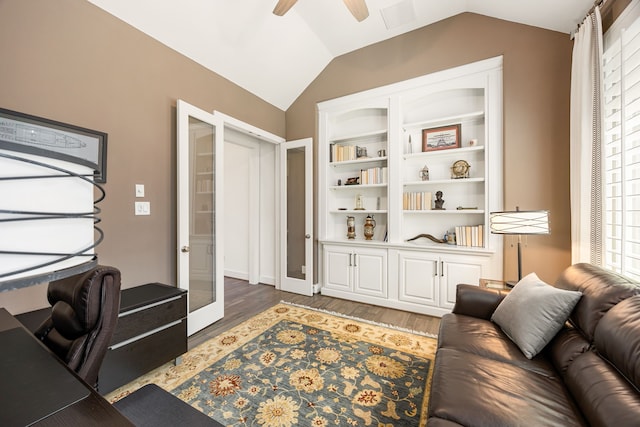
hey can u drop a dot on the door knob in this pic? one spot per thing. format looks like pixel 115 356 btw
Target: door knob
pixel 185 249
pixel 307 236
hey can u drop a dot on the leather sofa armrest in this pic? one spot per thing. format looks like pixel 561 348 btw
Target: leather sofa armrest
pixel 477 302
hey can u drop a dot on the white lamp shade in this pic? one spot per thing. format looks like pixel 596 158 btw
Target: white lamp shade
pixel 519 222
pixel 46 224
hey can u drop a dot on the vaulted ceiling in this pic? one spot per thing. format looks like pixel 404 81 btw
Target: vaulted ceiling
pixel 277 57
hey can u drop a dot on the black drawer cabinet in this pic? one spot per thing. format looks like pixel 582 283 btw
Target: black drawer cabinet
pixel 151 331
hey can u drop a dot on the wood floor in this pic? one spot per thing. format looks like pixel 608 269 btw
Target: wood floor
pixel 243 301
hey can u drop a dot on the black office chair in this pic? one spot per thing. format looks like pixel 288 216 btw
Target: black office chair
pixel 83 318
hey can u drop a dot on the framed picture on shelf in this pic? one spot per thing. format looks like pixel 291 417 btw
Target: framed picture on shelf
pixel 441 138
pixel 43 137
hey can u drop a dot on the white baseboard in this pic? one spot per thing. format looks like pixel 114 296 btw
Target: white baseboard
pixel 268 280
pixel 242 275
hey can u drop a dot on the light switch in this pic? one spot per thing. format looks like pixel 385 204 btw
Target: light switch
pixel 139 190
pixel 143 208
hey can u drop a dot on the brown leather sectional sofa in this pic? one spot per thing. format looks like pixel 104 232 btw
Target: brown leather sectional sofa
pixel 589 374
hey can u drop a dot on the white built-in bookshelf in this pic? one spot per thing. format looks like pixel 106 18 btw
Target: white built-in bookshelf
pixel 373 154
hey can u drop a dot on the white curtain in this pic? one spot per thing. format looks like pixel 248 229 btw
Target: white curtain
pixel 586 142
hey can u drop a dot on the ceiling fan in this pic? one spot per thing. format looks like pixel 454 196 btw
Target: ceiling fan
pixel 358 8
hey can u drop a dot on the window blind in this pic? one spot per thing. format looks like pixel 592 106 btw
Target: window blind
pixel 621 69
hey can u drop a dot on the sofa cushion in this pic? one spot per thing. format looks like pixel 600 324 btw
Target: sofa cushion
pixel 617 338
pixel 533 313
pixel 477 336
pixel 439 422
pixel 473 390
pixel 605 397
pixel 601 289
pixel 566 346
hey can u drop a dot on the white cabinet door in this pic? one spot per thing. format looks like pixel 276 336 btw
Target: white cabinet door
pixel 456 270
pixel 370 271
pixel 338 262
pixel 418 277
pixel 358 270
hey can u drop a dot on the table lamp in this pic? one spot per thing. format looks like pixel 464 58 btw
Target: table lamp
pixel 519 223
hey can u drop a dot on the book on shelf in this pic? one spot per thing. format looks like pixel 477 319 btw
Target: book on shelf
pixel 470 235
pixel 378 175
pixel 416 201
pixel 343 153
pixel 204 186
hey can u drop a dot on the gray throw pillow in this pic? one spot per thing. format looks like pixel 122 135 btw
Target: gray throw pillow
pixel 533 313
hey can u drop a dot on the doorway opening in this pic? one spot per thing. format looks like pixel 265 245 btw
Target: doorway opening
pixel 250 209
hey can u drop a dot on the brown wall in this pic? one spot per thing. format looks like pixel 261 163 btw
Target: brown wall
pixel 611 10
pixel 537 67
pixel 70 61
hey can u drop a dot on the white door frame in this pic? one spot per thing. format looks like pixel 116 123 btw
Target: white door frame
pixel 265 136
pixel 301 286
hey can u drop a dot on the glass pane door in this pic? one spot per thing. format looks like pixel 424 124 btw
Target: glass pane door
pixel 297 217
pixel 296 267
pixel 199 237
pixel 202 267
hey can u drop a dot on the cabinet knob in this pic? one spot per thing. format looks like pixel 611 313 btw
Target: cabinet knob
pixel 185 249
pixel 307 236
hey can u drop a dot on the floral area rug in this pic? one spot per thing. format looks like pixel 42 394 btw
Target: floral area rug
pixel 295 366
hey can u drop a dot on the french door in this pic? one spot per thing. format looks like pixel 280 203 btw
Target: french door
pixel 296 215
pixel 199 197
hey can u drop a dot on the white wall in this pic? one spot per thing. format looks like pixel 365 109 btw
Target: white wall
pixel 237 159
pixel 236 210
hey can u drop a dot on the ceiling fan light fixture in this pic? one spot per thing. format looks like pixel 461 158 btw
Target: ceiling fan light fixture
pixel 283 7
pixel 358 9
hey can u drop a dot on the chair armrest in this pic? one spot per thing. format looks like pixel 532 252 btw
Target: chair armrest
pixel 477 302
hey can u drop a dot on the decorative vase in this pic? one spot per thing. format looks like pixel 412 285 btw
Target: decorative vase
pixel 369 225
pixel 351 227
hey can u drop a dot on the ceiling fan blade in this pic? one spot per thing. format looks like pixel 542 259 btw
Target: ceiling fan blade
pixel 283 6
pixel 358 9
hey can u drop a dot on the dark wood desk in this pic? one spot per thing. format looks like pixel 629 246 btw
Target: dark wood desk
pixel 36 388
